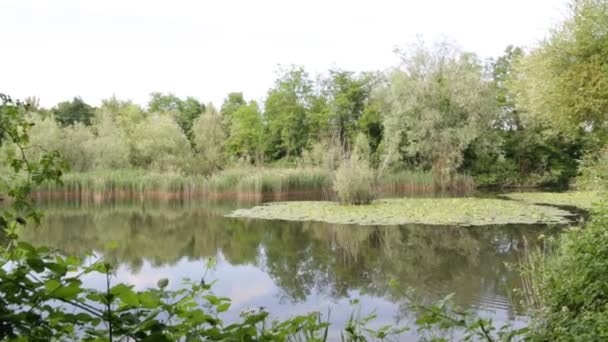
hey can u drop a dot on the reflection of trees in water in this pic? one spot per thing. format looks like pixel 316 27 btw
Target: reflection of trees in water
pixel 301 257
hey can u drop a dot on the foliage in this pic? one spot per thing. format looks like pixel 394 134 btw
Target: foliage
pixel 231 104
pixel 159 143
pixel 24 173
pixel 438 103
pixel 348 95
pixel 571 285
pixel 70 112
pixel 286 111
pixel 209 139
pixel 562 82
pixel 246 132
pixel 183 111
pixel 354 180
pixel 594 171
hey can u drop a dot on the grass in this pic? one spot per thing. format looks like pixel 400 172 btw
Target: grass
pixel 241 182
pixel 431 211
pixel 579 199
pixel 423 182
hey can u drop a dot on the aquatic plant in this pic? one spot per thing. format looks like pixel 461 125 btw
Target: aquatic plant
pixel 580 199
pixel 432 211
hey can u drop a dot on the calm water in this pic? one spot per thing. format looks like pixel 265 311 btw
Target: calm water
pixel 293 267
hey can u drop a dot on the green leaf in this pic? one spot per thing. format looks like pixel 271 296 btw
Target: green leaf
pixel 69 292
pixel 36 264
pixel 223 307
pixel 52 285
pixel 126 294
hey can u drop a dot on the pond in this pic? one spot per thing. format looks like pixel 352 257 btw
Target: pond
pixel 291 267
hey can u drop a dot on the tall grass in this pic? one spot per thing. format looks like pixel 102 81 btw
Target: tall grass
pixel 243 182
pixel 424 182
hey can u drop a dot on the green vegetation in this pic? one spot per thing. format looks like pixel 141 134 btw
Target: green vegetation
pixel 569 285
pixel 436 120
pixel 523 119
pixel 244 181
pixel 355 180
pixel 432 211
pixel 580 199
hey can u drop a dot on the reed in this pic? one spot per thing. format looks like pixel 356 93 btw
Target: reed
pixel 242 182
pixel 424 182
pixel 236 182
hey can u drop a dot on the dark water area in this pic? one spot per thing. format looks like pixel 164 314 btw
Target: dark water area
pixel 293 268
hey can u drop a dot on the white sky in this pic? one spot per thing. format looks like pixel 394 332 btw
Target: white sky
pixel 57 49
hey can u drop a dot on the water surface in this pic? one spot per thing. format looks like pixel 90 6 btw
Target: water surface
pixel 293 268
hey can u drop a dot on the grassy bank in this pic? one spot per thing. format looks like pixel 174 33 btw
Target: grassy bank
pixel 271 183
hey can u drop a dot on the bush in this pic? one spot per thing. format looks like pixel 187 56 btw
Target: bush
pixel 571 284
pixel 354 181
pixel 594 171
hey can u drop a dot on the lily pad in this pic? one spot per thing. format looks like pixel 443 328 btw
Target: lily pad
pixel 580 199
pixel 431 211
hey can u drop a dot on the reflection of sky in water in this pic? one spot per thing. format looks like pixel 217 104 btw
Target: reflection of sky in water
pixel 294 268
pixel 250 287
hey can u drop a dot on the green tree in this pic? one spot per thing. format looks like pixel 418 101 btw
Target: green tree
pixel 231 104
pixel 348 95
pixel 126 114
pixel 437 103
pixel 246 132
pixel 184 111
pixel 159 143
pixel 70 112
pixel 209 139
pixel 286 112
pixel 563 83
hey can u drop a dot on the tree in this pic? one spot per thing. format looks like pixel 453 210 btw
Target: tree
pixel 126 114
pixel 231 104
pixel 246 132
pixel 286 112
pixel 437 103
pixel 69 112
pixel 158 142
pixel 348 96
pixel 184 111
pixel 563 83
pixel 517 151
pixel 209 139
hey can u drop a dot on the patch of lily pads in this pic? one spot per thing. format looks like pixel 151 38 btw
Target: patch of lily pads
pixel 429 211
pixel 579 199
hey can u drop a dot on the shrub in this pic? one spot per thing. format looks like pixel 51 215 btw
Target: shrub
pixel 571 284
pixel 159 143
pixel 354 181
pixel 594 171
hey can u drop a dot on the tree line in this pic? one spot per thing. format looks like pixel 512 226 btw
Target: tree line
pixel 524 118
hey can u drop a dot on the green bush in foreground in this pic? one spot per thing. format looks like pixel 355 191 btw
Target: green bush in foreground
pixel 571 284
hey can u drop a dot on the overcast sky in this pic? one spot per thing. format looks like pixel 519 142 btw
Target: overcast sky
pixel 57 49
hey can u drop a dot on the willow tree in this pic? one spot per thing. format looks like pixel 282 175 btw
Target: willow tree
pixel 437 102
pixel 564 82
pixel 209 139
